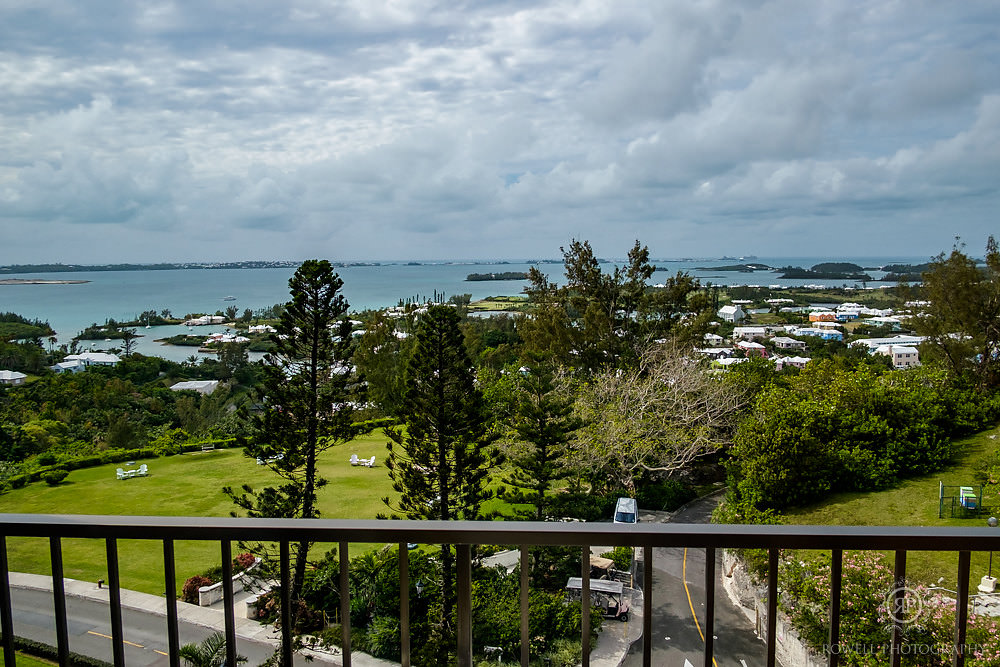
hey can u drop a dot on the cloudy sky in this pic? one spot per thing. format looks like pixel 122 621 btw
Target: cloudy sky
pixel 148 130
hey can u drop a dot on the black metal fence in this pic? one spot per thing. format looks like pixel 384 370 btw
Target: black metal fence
pixel 465 534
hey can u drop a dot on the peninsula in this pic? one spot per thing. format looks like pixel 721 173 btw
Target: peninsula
pixel 34 281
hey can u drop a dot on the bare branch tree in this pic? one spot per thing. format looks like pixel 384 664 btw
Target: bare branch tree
pixel 660 416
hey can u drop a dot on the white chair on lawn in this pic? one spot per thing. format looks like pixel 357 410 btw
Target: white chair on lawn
pixel 369 462
pixel 142 471
pixel 355 460
pixel 121 474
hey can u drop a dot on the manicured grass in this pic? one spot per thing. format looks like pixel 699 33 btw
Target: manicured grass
pixel 28 661
pixel 914 502
pixel 184 485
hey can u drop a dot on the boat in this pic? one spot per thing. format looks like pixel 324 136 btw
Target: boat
pixel 229 298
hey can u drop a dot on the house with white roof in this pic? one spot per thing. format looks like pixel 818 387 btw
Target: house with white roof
pixel 12 378
pixel 903 356
pixel 797 362
pixel 749 333
pixel 786 343
pixel 200 386
pixel 713 339
pixel 752 349
pixel 72 366
pixel 261 328
pixel 825 334
pixel 874 343
pixel 732 314
pixel 94 358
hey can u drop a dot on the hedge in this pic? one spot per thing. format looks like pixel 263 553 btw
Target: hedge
pixel 46 652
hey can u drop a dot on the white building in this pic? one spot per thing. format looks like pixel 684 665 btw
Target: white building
pixel 94 358
pixel 713 339
pixel 903 356
pixel 12 378
pixel 732 314
pixel 200 386
pixel 73 366
pixel 797 362
pixel 874 343
pixel 786 343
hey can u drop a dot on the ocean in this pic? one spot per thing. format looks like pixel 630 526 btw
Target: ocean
pixel 123 295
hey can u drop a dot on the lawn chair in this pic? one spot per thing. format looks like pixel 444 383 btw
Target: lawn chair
pixel 121 474
pixel 142 471
pixel 355 461
pixel 369 462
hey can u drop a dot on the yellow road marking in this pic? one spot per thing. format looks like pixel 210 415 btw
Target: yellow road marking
pixel 161 653
pixel 124 641
pixel 684 578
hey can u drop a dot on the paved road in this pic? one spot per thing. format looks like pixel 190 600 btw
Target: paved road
pixel 676 635
pixel 90 630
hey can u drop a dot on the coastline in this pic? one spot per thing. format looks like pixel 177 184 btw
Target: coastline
pixel 35 281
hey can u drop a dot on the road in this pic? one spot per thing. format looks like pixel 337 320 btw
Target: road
pixel 90 630
pixel 679 609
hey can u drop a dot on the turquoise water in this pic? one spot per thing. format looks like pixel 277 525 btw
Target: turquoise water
pixel 122 295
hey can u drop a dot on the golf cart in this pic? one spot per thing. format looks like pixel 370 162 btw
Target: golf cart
pixel 609 596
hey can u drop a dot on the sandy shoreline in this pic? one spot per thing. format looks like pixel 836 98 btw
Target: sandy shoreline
pixel 33 281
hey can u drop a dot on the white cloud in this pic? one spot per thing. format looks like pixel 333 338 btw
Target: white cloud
pixel 430 129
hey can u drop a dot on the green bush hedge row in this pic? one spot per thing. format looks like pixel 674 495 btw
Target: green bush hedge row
pixel 46 652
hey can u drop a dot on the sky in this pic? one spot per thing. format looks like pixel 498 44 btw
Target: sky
pixel 153 131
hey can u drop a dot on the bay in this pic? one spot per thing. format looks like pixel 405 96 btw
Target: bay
pixel 123 295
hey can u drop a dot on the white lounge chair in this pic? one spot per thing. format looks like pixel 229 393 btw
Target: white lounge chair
pixel 369 462
pixel 260 461
pixel 355 460
pixel 121 474
pixel 142 471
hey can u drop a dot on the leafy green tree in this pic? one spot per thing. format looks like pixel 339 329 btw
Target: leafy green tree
pixel 233 361
pixel 308 384
pixel 381 359
pixel 544 426
pixel 440 461
pixel 211 652
pixel 599 320
pixel 961 318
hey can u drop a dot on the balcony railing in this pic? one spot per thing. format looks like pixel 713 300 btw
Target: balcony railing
pixel 465 534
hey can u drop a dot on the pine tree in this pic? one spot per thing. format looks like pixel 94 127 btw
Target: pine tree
pixel 305 408
pixel 544 425
pixel 439 463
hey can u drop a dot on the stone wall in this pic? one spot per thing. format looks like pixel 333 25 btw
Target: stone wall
pixel 209 595
pixel 751 598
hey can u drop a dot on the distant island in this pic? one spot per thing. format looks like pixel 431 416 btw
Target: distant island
pixel 826 271
pixel 23 281
pixel 168 266
pixel 506 275
pixel 744 268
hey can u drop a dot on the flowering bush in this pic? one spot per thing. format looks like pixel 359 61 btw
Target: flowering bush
pixel 243 561
pixel 189 592
pixel 866 619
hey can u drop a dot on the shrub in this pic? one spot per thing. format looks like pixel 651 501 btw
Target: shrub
pixel 243 561
pixel 664 496
pixel 46 459
pixel 622 556
pixel 382 640
pixel 189 592
pixel 54 477
pixel 18 481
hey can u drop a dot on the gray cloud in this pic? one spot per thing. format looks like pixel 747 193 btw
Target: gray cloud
pixel 421 129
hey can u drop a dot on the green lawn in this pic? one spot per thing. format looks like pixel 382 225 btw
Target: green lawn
pixel 914 502
pixel 28 661
pixel 185 485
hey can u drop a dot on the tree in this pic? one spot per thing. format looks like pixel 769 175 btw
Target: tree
pixel 439 463
pixel 231 313
pixel 544 427
pixel 211 652
pixel 128 340
pixel 599 320
pixel 381 359
pixel 961 318
pixel 659 417
pixel 233 360
pixel 306 409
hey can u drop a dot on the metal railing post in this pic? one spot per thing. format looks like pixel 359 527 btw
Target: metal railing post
pixel 59 601
pixel 115 594
pixel 227 595
pixel 345 601
pixel 772 606
pixel 898 596
pixel 525 618
pixel 585 605
pixel 404 604
pixel 709 605
pixel 962 610
pixel 6 619
pixel 836 584
pixel 170 592
pixel 647 606
pixel 284 555
pixel 463 553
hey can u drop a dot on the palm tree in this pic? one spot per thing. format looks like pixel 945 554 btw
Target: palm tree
pixel 211 652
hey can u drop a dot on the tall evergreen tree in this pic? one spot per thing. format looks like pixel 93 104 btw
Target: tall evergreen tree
pixel 440 461
pixel 544 425
pixel 305 404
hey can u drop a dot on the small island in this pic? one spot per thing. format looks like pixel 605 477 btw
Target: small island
pixel 826 271
pixel 506 275
pixel 35 281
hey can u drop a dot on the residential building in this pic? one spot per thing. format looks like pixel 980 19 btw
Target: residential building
pixel 732 314
pixel 786 343
pixel 797 362
pixel 752 349
pixel 874 343
pixel 12 378
pixel 825 334
pixel 903 356
pixel 94 358
pixel 72 366
pixel 200 386
pixel 749 333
